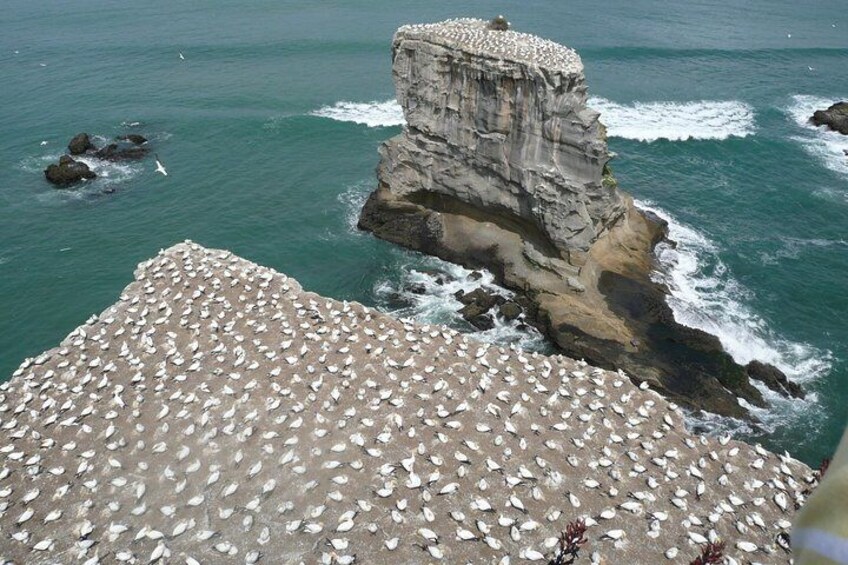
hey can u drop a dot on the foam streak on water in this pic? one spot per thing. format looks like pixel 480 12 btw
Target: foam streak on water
pixel 820 142
pixel 371 114
pixel 676 121
pixel 704 295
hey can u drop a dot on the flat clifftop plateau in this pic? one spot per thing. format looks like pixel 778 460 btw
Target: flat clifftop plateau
pixel 219 413
pixel 502 165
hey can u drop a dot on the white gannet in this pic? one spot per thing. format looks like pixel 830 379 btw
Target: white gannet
pixel 181 56
pixel 160 168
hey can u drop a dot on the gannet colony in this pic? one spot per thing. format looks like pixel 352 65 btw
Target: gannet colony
pixel 219 413
pixel 474 37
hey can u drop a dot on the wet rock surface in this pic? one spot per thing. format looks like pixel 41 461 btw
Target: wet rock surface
pixel 68 172
pixel 80 144
pixel 835 117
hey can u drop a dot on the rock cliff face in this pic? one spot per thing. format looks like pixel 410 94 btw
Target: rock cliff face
pixel 502 165
pixel 498 120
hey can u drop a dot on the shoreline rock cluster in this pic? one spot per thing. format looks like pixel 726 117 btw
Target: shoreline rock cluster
pixel 217 412
pixel 503 166
pixel 834 117
pixel 69 171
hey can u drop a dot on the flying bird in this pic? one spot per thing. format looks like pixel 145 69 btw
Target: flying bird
pixel 160 168
pixel 181 56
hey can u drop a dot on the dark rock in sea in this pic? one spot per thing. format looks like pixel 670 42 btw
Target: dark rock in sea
pixel 510 310
pixel 121 152
pixel 68 172
pixel 482 322
pixel 475 276
pixel 133 138
pixel 80 144
pixel 835 117
pixel 478 304
pixel 417 288
pixel 481 297
pixel 774 378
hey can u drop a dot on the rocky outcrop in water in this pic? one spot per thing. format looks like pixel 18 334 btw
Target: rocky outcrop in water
pixel 502 165
pixel 835 117
pixel 79 144
pixel 68 172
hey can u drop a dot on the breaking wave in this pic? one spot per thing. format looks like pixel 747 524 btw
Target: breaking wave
pixel 704 295
pixel 426 293
pixel 828 146
pixel 676 121
pixel 372 114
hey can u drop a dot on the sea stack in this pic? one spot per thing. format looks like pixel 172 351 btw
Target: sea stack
pixel 502 165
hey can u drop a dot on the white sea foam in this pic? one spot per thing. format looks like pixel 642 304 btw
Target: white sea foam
pixel 436 303
pixel 353 198
pixel 110 174
pixel 705 295
pixel 372 114
pixel 676 121
pixel 820 142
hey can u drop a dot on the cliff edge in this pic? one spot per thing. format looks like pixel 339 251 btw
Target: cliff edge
pixel 502 165
pixel 220 413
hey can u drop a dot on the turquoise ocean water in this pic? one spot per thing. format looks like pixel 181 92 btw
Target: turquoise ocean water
pixel 269 129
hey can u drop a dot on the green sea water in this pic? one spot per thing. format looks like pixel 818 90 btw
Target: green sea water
pixel 705 100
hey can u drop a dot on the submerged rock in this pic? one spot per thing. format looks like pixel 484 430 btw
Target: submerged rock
pixel 835 117
pixel 478 306
pixel 510 311
pixel 68 172
pixel 133 138
pixel 774 378
pixel 502 165
pixel 121 151
pixel 80 143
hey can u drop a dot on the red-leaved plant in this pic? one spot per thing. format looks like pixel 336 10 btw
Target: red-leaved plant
pixel 570 541
pixel 823 467
pixel 711 554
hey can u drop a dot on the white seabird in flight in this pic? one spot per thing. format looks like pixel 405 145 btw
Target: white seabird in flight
pixel 160 168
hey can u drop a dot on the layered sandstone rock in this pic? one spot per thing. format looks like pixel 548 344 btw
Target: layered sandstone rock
pixel 498 120
pixel 502 165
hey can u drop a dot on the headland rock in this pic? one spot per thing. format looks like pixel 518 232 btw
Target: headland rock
pixel 502 165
